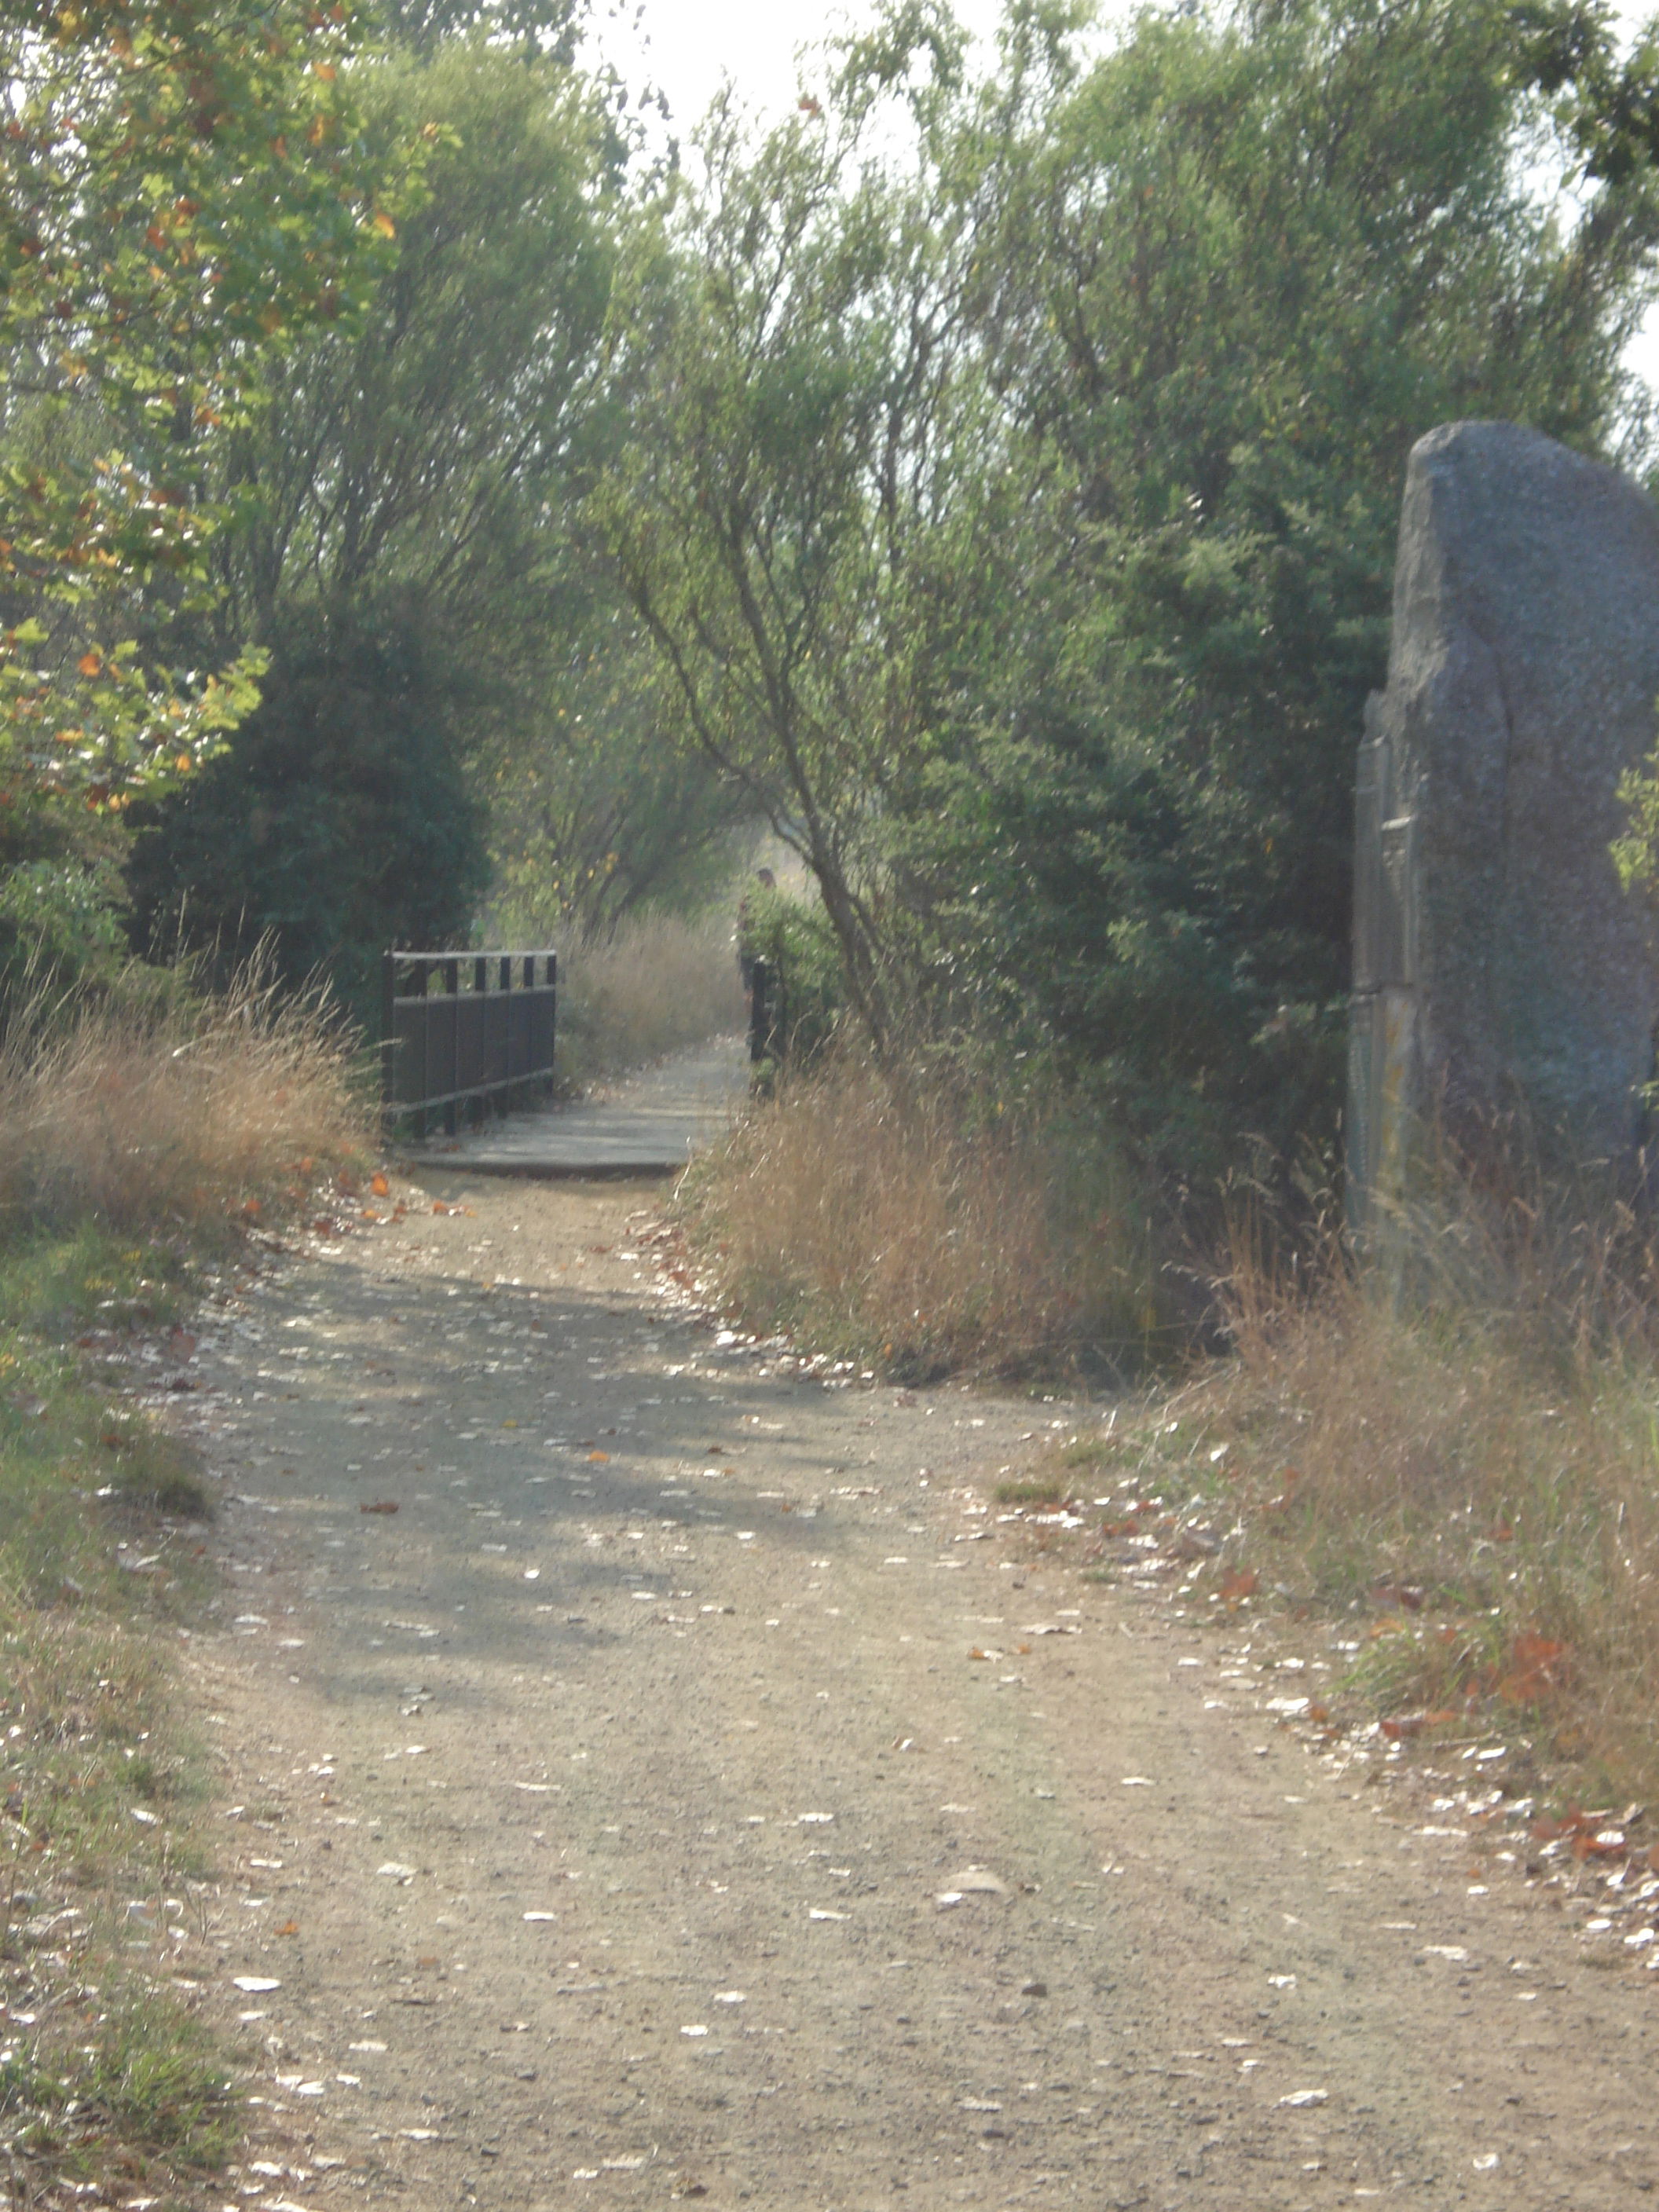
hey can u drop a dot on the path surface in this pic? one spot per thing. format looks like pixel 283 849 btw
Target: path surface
pixel 650 1124
pixel 623 1820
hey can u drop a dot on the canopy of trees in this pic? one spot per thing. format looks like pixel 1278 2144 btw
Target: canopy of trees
pixel 986 483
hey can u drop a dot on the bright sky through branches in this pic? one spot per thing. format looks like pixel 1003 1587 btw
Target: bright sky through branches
pixel 686 48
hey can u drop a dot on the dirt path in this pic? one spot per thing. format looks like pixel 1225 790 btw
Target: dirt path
pixel 624 1818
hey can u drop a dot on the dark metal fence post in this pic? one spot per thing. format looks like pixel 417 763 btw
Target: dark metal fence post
pixel 388 1032
pixel 453 990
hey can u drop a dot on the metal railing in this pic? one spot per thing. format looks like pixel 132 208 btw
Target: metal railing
pixel 486 1027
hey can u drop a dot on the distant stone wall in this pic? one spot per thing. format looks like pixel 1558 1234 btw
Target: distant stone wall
pixel 1497 961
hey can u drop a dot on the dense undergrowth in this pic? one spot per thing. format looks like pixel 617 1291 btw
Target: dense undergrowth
pixel 134 1147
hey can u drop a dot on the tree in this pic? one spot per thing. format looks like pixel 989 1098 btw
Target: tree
pixel 403 506
pixel 788 345
pixel 185 187
pixel 426 448
pixel 1245 262
pixel 340 820
pixel 595 816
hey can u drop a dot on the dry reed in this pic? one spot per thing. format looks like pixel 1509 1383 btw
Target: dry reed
pixel 905 1223
pixel 181 1119
pixel 659 985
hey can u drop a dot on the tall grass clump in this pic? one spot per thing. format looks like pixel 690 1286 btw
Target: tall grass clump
pixel 904 1219
pixel 1458 1438
pixel 659 985
pixel 172 1117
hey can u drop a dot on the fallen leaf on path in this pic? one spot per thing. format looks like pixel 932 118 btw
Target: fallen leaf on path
pixel 599 1455
pixel 1537 1666
pixel 381 1505
pixel 1238 1584
pixel 379 1186
pixel 287 1927
pixel 1401 1725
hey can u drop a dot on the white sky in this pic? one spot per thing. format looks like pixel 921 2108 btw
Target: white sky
pixel 687 47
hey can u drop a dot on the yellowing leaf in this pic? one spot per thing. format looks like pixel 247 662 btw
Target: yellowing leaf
pixel 384 225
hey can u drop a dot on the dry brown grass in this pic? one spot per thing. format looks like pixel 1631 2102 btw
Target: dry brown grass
pixel 659 985
pixel 181 1119
pixel 1462 1446
pixel 912 1226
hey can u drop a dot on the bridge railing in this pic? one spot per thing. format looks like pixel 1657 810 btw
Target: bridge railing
pixel 464 1029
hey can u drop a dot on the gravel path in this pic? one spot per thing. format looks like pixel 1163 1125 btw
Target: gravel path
pixel 623 1818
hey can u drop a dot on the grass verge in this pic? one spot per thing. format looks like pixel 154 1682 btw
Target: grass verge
pixel 1454 1461
pixel 168 1137
pixel 190 1121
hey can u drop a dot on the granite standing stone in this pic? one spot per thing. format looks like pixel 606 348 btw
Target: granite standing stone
pixel 1497 961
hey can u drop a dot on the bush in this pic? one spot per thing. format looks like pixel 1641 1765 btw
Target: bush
pixel 803 979
pixel 339 821
pixel 60 926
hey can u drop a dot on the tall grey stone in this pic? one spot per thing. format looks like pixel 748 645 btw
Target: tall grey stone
pixel 1497 963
